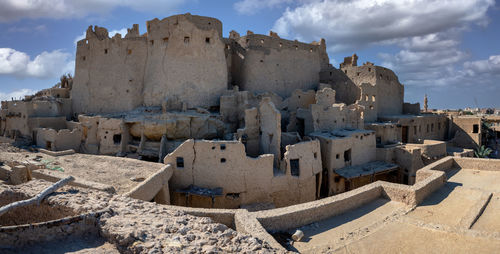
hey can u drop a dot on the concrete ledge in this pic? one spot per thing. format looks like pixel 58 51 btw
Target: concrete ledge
pixel 30 233
pixel 302 214
pixel 224 216
pixel 54 176
pixel 246 223
pixel 55 154
pixel 148 188
pixel 477 163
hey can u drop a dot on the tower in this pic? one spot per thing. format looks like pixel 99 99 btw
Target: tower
pixel 425 103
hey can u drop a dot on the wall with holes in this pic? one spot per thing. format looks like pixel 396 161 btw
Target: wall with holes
pixel 277 65
pixel 179 58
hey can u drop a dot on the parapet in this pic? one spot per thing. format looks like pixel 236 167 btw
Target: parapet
pixel 350 61
pixel 255 41
pixel 160 28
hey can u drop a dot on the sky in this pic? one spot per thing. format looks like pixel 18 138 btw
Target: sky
pixel 447 49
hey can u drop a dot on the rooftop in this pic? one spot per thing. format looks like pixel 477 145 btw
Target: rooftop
pixel 369 168
pixel 459 217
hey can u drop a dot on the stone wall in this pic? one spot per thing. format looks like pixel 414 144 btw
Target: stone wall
pixel 466 131
pixel 277 65
pixel 244 180
pixel 180 58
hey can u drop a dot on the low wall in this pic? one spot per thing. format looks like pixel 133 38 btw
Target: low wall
pixel 298 215
pixel 429 180
pixel 431 148
pixel 258 224
pixel 50 230
pixel 223 216
pixel 477 163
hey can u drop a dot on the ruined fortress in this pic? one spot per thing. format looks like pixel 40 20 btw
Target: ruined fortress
pixel 255 122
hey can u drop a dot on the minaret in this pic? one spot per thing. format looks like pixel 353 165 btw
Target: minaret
pixel 425 103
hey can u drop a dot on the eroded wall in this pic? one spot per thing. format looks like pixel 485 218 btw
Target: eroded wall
pixel 278 65
pixel 244 180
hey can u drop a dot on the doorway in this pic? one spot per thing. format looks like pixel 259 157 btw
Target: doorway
pixel 404 134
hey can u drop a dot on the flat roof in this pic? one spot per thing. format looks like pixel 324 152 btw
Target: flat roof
pixel 340 133
pixel 369 168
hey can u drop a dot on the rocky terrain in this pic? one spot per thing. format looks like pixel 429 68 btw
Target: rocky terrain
pixel 128 226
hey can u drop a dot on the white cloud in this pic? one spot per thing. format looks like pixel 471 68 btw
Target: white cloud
pixel 16 94
pixel 45 65
pixel 358 23
pixel 249 7
pixel 27 29
pixel 57 9
pixel 489 66
pixel 112 33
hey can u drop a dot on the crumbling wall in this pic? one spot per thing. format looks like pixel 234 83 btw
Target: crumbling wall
pixel 180 57
pixel 185 58
pixel 108 68
pixel 411 109
pixel 244 180
pixel 325 97
pixel 300 177
pixel 409 160
pixel 89 126
pixel 369 101
pixel 213 164
pixel 346 90
pixel 415 129
pixel 385 133
pixel 343 148
pixel 270 129
pixel 278 65
pixel 301 99
pixel 466 131
pixel 109 134
pixel 61 140
pixel 325 118
pixel 250 134
pixel 389 92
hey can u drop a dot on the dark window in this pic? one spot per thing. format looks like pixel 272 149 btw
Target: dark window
pixel 337 156
pixel 105 51
pixel 378 140
pixel 186 39
pixel 117 139
pixel 84 58
pixel 439 126
pixel 152 42
pixel 223 147
pixel 315 155
pixel 427 128
pixel 223 160
pixel 336 179
pixel 180 162
pixel 347 155
pixel 475 128
pixel 432 127
pixel 294 167
pixel 415 130
pixel 207 40
pixel 233 195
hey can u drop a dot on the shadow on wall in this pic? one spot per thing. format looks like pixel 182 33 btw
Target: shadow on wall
pixel 346 91
pixel 466 134
pixel 440 195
